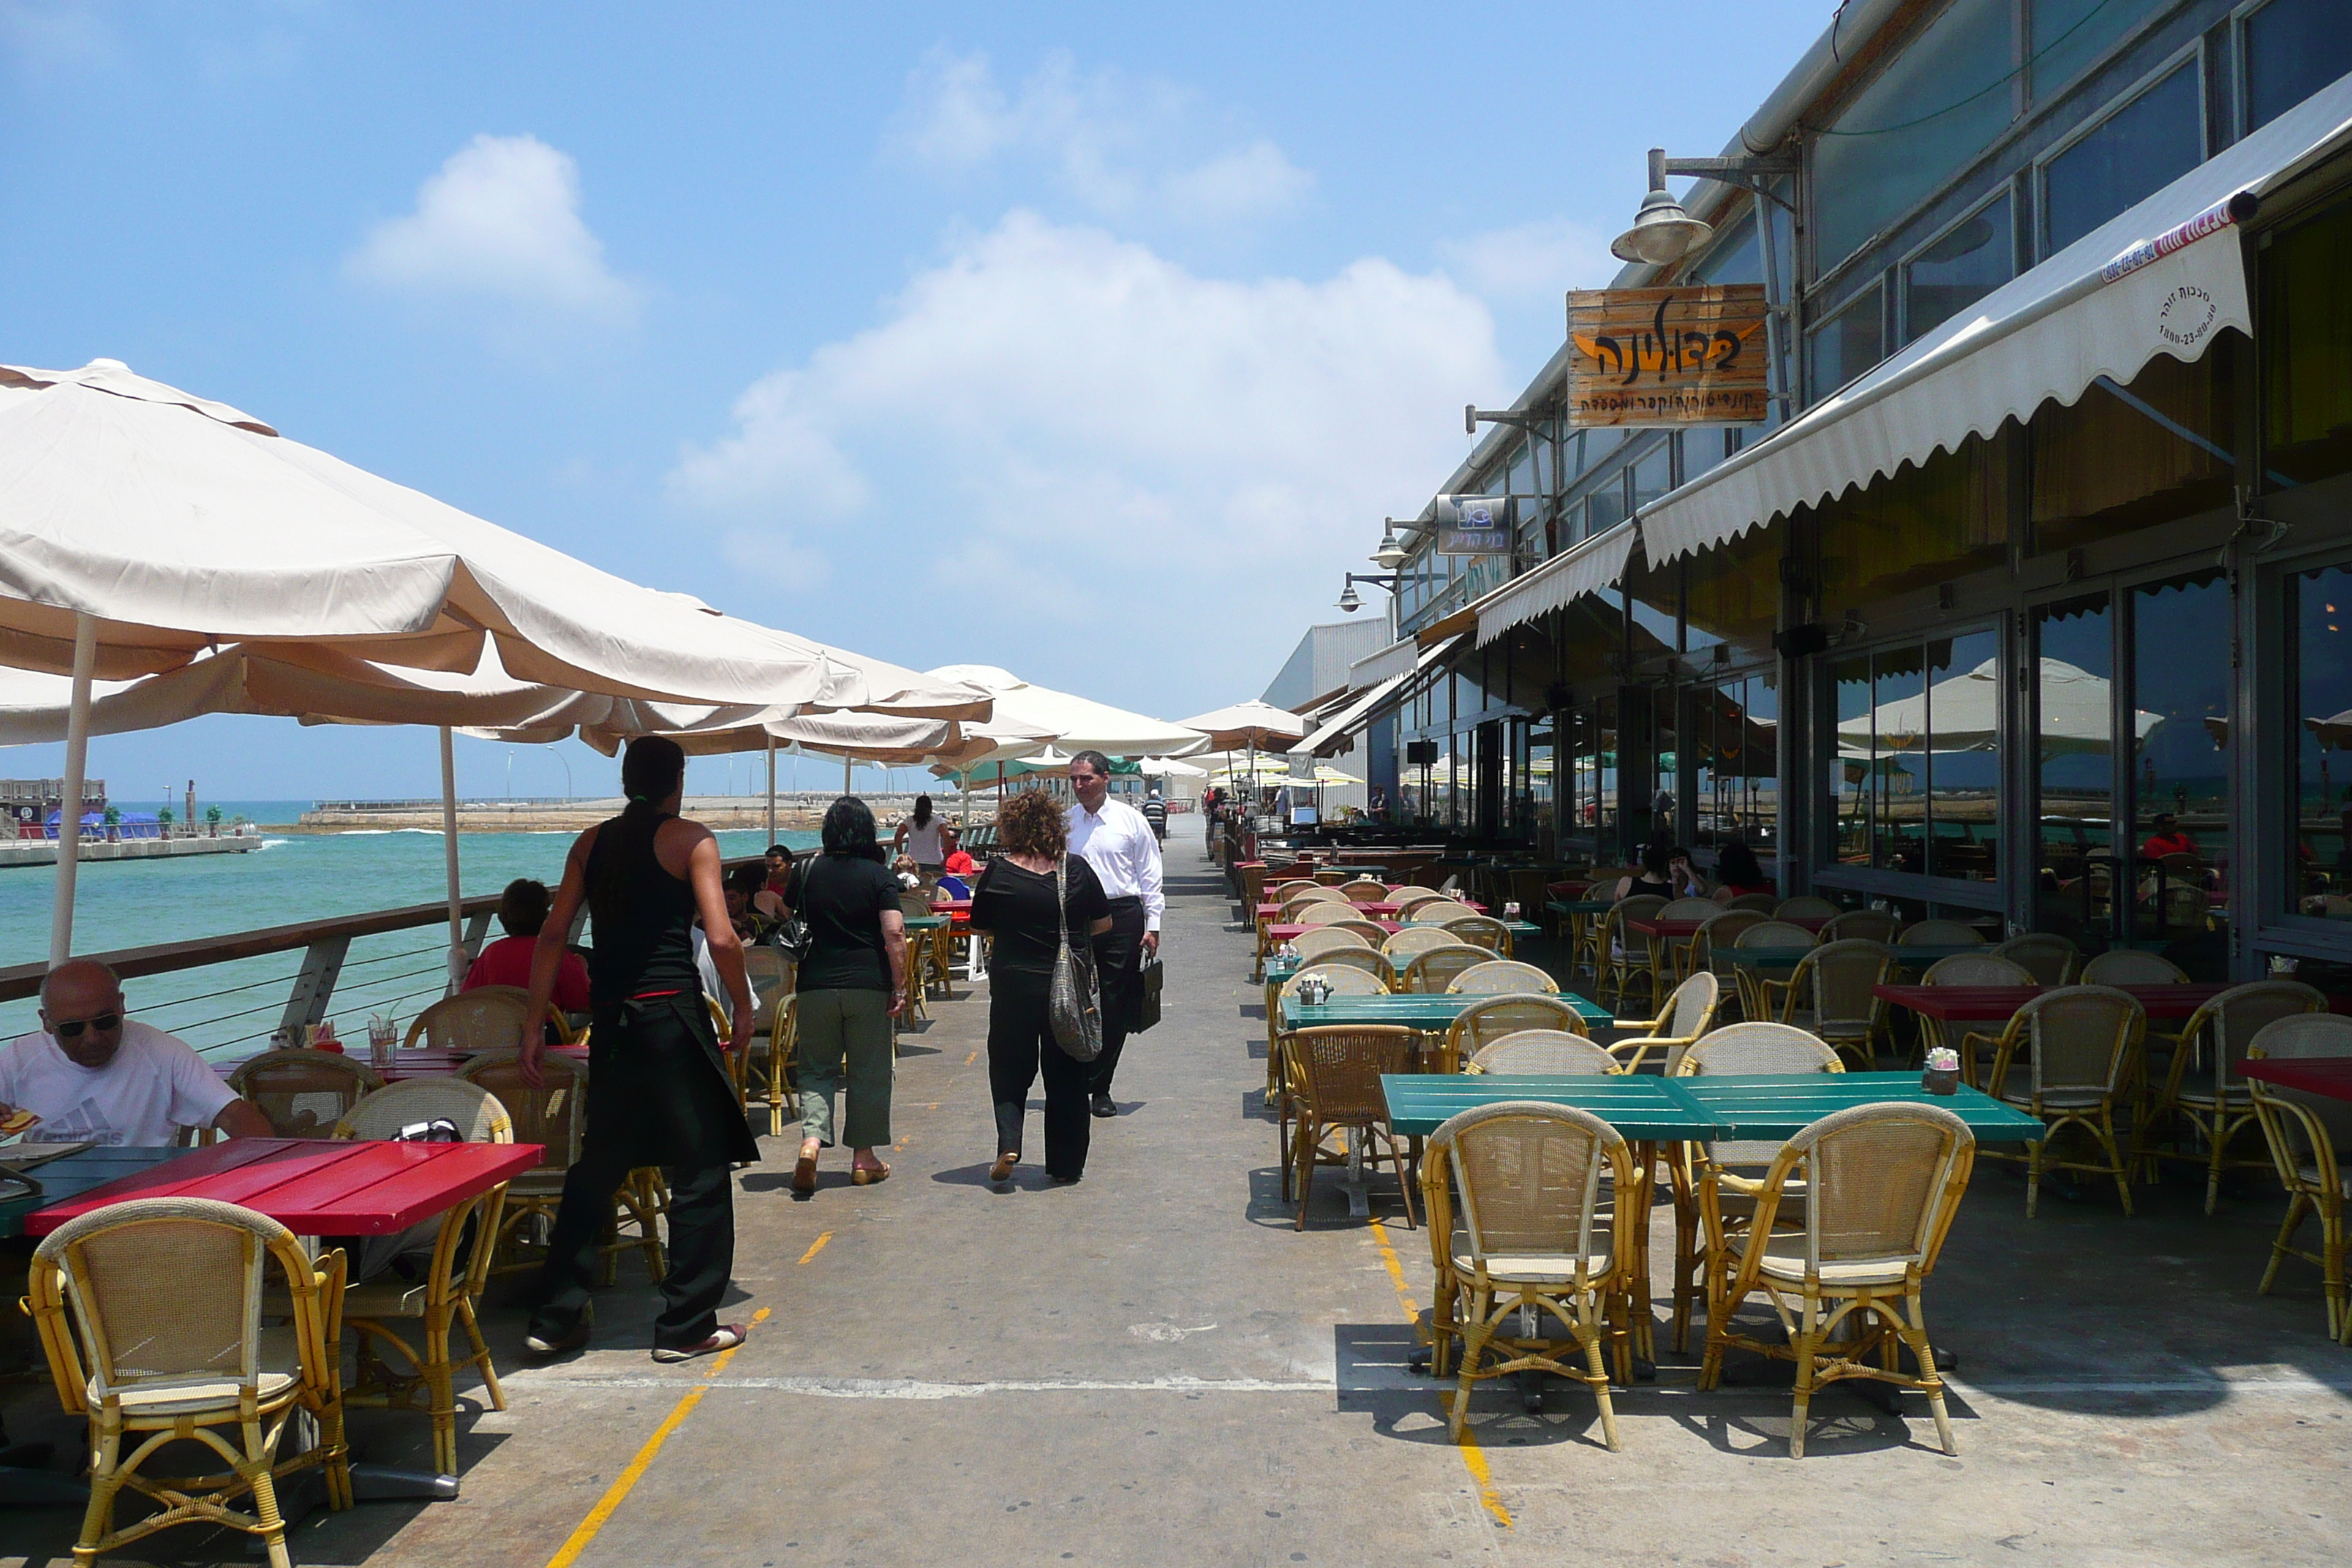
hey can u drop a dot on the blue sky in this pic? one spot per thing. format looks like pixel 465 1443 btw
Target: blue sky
pixel 1083 341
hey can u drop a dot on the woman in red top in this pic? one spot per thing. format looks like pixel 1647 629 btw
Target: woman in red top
pixel 2169 839
pixel 523 909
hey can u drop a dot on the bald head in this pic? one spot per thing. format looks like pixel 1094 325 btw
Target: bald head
pixel 81 1006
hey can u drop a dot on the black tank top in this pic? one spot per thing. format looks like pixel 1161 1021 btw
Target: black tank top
pixel 644 936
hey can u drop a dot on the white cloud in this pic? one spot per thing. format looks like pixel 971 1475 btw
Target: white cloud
pixel 498 223
pixel 1125 147
pixel 1532 260
pixel 1056 427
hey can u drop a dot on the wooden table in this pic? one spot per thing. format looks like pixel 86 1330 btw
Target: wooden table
pixel 310 1186
pixel 2330 1077
pixel 1429 1012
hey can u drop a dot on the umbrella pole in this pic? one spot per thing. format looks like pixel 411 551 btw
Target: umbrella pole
pixel 771 791
pixel 61 910
pixel 449 858
pixel 846 763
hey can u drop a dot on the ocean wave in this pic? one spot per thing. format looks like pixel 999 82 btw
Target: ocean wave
pixel 380 831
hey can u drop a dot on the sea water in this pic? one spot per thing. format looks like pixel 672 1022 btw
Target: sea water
pixel 231 1009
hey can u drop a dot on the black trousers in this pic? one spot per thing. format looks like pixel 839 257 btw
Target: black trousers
pixel 701 1248
pixel 1021 1046
pixel 1119 960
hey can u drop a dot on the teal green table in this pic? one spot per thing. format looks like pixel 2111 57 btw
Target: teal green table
pixel 1516 928
pixel 925 922
pixel 1429 1011
pixel 1580 906
pixel 1645 1110
pixel 1767 1106
pixel 71 1175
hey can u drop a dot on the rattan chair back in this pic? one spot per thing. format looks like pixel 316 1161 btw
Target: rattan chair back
pixel 1806 907
pixel 1762 903
pixel 2129 966
pixel 474 1111
pixel 1503 975
pixel 2081 1038
pixel 1312 893
pixel 1691 1008
pixel 1339 1067
pixel 1975 969
pixel 487 1018
pixel 1773 933
pixel 1365 892
pixel 1371 934
pixel 1345 980
pixel 1283 892
pixel 2302 1035
pixel 1370 959
pixel 1408 898
pixel 554 1114
pixel 1711 947
pixel 1939 933
pixel 1434 971
pixel 1481 1023
pixel 1440 911
pixel 1883 1183
pixel 1865 925
pixel 1617 936
pixel 1317 941
pixel 1557 1053
pixel 303 1093
pixel 2048 957
pixel 770 974
pixel 1760 1047
pixel 1481 930
pixel 1836 978
pixel 1330 912
pixel 1410 941
pixel 1536 1182
pixel 1690 909
pixel 2237 1014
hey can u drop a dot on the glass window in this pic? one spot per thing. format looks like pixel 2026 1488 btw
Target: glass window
pixel 1733 258
pixel 2074 726
pixel 1937 105
pixel 2180 722
pixel 1944 518
pixel 1704 445
pixel 2068 35
pixel 2306 327
pixel 1856 826
pixel 1919 760
pixel 1964 761
pixel 2293 47
pixel 2137 150
pixel 1732 594
pixel 1520 477
pixel 1847 345
pixel 1958 270
pixel 2319 727
pixel 1736 725
pixel 2124 457
pixel 1653 475
pixel 1898 775
pixel 1606 509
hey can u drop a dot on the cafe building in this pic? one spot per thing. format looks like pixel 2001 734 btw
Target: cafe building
pixel 2022 585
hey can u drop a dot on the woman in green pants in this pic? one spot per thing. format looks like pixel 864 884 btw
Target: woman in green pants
pixel 851 984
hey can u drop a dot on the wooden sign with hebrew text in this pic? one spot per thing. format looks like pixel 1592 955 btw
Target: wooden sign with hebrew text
pixel 1666 356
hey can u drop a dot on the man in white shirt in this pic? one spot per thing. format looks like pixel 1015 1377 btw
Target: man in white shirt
pixel 1115 839
pixel 92 1075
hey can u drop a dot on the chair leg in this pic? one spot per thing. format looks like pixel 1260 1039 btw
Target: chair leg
pixel 2331 1265
pixel 1474 1345
pixel 1916 1336
pixel 265 1498
pixel 2034 1149
pixel 1404 1182
pixel 490 1386
pixel 1594 1331
pixel 1303 1145
pixel 105 1480
pixel 2217 1144
pixel 2114 1157
pixel 1805 1343
pixel 2298 1204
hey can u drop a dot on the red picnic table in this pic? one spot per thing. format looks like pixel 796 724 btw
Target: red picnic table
pixel 312 1187
pixel 1985 1003
pixel 2328 1075
pixel 1279 934
pixel 1681 927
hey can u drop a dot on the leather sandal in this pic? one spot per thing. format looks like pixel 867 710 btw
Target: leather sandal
pixel 1003 1170
pixel 867 1175
pixel 805 1176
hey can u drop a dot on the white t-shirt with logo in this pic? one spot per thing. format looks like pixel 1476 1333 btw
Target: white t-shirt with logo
pixel 156 1085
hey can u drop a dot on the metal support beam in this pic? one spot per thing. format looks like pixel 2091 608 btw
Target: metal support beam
pixel 314 985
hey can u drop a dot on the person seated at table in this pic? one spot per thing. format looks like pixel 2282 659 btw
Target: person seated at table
pixel 780 868
pixel 2169 837
pixel 743 884
pixel 1738 872
pixel 522 910
pixel 93 1076
pixel 960 863
pixel 1657 877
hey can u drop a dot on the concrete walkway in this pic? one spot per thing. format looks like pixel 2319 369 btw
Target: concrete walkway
pixel 1153 1368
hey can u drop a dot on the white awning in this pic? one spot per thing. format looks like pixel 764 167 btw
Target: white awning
pixel 1352 716
pixel 2165 278
pixel 1397 658
pixel 1597 563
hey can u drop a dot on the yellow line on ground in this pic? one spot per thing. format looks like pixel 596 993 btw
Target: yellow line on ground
pixel 971 1059
pixel 1474 1458
pixel 602 1514
pixel 817 1247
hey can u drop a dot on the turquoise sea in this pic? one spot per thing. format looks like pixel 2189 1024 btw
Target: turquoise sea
pixel 231 1009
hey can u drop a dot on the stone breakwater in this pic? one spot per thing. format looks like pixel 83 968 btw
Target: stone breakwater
pixel 801 812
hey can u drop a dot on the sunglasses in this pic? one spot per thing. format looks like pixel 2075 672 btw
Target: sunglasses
pixel 105 1023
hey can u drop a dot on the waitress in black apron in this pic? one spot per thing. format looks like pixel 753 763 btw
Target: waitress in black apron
pixel 658 1089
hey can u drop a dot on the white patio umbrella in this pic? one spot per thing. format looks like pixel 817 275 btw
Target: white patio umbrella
pixel 1169 768
pixel 139 526
pixel 1962 714
pixel 1024 711
pixel 1254 725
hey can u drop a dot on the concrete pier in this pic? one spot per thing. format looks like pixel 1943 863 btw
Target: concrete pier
pixel 44 851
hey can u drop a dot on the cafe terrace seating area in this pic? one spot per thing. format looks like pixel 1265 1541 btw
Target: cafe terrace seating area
pixel 1805 1093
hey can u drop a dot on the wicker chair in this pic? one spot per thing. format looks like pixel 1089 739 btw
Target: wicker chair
pixel 1345 981
pixel 2213 1102
pixel 1680 953
pixel 1320 912
pixel 453 1280
pixel 1335 1075
pixel 1551 1053
pixel 1481 1023
pixel 2306 1136
pixel 1881 1186
pixel 303 1093
pixel 1409 898
pixel 165 1298
pixel 1862 925
pixel 1985 968
pixel 1804 907
pixel 1711 947
pixel 1358 956
pixel 1409 943
pixel 1689 1014
pixel 1481 931
pixel 1317 941
pixel 1754 1002
pixel 2049 958
pixel 1541 1229
pixel 487 1018
pixel 1733 1171
pixel 1434 969
pixel 1364 892
pixel 556 1115
pixel 2083 1042
pixel 1621 954
pixel 1499 975
pixel 2129 966
pixel 1370 932
pixel 1762 903
pixel 1830 996
pixel 1439 912
pixel 1939 933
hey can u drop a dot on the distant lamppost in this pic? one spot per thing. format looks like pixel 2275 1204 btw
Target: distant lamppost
pixel 560 757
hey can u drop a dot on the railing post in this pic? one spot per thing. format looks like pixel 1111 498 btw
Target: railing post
pixel 314 985
pixel 476 927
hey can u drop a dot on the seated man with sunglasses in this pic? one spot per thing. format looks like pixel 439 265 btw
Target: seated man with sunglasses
pixel 93 1076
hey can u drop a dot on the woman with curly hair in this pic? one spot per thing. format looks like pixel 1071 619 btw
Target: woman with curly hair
pixel 1014 904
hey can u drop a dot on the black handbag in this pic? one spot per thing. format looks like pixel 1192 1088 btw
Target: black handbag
pixel 1143 1006
pixel 791 937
